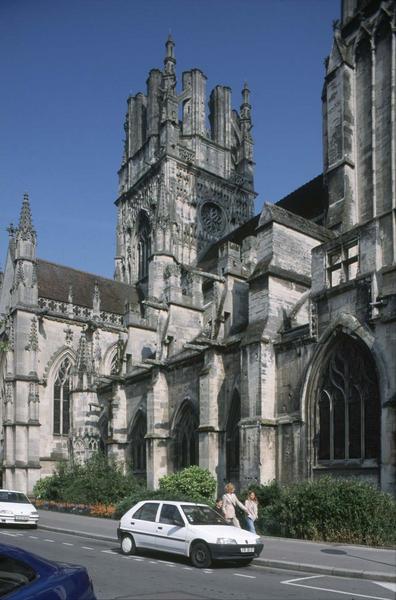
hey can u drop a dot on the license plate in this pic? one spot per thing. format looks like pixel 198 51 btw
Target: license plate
pixel 247 549
pixel 21 518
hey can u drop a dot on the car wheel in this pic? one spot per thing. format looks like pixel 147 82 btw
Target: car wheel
pixel 128 544
pixel 200 556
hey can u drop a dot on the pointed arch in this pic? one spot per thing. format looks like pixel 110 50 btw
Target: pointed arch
pixel 344 409
pixel 233 439
pixel 185 436
pixel 144 244
pixel 61 397
pixel 137 444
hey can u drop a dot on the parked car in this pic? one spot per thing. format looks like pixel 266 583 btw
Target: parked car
pixel 16 508
pixel 24 576
pixel 193 530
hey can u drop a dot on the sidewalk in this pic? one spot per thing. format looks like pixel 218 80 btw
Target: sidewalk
pixel 362 562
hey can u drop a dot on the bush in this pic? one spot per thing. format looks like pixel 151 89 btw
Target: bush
pixel 335 510
pixel 99 480
pixel 195 482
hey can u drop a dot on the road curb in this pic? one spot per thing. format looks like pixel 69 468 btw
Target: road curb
pixel 324 570
pixel 261 562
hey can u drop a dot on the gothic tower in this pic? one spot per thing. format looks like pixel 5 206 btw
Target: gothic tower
pixel 185 180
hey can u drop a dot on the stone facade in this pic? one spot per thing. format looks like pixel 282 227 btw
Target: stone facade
pixel 260 347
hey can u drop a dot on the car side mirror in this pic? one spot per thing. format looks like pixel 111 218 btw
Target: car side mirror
pixel 178 522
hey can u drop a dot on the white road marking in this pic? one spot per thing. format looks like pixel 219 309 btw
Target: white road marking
pixel 138 559
pixel 109 552
pixel 51 541
pixel 322 589
pixel 67 544
pixel 10 534
pixel 388 586
pixel 33 537
pixel 187 568
pixel 87 548
pixel 302 578
pixel 242 575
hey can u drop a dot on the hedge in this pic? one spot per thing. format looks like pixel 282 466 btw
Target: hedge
pixel 328 509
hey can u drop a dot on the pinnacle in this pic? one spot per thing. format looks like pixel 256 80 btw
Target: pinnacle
pixel 25 219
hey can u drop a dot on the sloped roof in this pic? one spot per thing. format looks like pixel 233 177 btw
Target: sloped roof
pixel 309 201
pixel 55 280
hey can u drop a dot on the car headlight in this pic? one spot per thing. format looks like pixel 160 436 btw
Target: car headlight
pixel 5 512
pixel 34 513
pixel 258 540
pixel 226 541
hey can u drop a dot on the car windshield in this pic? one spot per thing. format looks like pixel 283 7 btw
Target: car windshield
pixel 202 515
pixel 13 497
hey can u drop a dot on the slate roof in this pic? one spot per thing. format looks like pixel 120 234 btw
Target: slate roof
pixel 54 281
pixel 309 201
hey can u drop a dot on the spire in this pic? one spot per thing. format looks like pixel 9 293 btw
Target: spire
pixel 245 106
pixel 25 228
pixel 169 60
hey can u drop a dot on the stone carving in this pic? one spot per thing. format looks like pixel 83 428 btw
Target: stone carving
pixel 212 218
pixel 33 336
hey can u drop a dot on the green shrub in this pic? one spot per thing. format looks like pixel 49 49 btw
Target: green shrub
pixel 336 510
pixel 194 482
pixel 99 480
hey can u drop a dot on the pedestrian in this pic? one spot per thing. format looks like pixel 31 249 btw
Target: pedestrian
pixel 251 504
pixel 230 501
pixel 219 506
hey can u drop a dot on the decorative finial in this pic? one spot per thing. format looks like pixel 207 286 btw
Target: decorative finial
pixel 170 60
pixel 25 219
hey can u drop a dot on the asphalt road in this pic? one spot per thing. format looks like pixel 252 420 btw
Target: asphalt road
pixel 152 576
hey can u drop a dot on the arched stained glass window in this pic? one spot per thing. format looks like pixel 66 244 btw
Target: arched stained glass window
pixel 61 420
pixel 232 439
pixel 186 438
pixel 138 445
pixel 348 408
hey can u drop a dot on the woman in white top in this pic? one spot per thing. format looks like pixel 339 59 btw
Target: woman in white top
pixel 230 501
pixel 251 504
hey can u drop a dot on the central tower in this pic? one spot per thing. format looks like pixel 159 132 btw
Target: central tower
pixel 186 178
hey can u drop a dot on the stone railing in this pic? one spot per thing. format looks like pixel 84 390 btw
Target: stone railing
pixel 74 311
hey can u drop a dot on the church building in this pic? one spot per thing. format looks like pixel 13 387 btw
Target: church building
pixel 259 347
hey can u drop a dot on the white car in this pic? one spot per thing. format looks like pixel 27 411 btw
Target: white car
pixel 16 509
pixel 193 530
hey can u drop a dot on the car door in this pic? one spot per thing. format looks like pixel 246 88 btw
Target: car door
pixel 143 525
pixel 171 530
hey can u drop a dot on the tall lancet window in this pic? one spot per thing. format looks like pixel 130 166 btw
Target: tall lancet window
pixel 348 407
pixel 62 399
pixel 186 438
pixel 144 244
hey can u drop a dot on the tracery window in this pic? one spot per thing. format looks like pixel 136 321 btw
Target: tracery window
pixel 348 408
pixel 232 439
pixel 186 438
pixel 343 263
pixel 138 445
pixel 144 245
pixel 61 397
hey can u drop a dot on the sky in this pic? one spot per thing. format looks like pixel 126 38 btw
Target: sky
pixel 68 66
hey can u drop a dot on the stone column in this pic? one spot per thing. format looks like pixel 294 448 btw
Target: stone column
pixel 157 429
